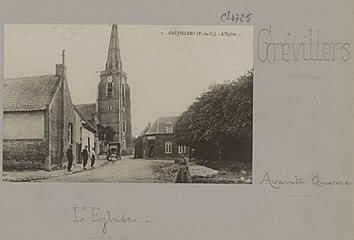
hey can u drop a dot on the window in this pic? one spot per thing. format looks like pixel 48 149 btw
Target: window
pixel 123 90
pixel 70 133
pixel 182 149
pixel 168 147
pixel 124 126
pixel 169 128
pixel 109 89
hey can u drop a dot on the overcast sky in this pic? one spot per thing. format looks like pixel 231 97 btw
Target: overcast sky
pixel 165 73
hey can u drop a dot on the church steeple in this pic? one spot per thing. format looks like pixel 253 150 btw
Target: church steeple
pixel 113 59
pixel 113 100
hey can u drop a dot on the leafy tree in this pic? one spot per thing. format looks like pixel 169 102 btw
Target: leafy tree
pixel 219 123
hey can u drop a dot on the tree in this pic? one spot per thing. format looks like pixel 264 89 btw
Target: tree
pixel 105 134
pixel 219 123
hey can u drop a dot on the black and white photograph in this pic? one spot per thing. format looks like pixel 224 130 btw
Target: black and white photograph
pixel 128 103
pixel 171 120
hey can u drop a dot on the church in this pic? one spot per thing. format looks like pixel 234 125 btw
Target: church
pixel 112 107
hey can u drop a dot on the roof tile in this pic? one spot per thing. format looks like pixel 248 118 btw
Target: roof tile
pixel 29 93
pixel 159 126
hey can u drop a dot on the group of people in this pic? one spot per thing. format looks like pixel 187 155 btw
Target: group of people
pixel 84 156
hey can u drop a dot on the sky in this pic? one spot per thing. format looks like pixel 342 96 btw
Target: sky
pixel 166 73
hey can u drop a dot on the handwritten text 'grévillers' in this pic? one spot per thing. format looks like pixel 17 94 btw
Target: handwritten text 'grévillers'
pixel 307 47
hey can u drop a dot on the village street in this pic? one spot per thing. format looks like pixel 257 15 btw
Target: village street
pixel 126 170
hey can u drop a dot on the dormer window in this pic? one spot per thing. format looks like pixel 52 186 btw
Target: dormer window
pixel 169 128
pixel 109 89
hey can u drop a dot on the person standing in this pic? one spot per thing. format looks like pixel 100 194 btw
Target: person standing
pixel 93 157
pixel 69 155
pixel 84 155
pixel 183 174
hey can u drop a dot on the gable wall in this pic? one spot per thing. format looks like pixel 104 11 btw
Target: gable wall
pixel 61 114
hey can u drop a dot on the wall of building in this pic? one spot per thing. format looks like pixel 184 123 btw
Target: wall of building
pixel 55 129
pixel 43 138
pixel 24 154
pixel 138 153
pixel 61 113
pixel 69 117
pixel 26 146
pixel 109 117
pixel 23 125
pixel 78 138
pixel 88 139
pixel 158 143
pixel 119 104
pixel 127 119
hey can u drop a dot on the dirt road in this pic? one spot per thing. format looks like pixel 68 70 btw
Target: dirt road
pixel 127 170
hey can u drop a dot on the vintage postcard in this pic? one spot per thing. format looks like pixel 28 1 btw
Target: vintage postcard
pixel 166 120
pixel 179 109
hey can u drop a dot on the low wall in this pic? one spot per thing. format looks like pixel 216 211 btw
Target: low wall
pixel 21 154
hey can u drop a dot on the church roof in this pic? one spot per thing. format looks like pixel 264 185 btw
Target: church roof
pixel 29 93
pixel 113 59
pixel 87 110
pixel 159 126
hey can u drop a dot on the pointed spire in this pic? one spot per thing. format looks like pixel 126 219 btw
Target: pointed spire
pixel 63 57
pixel 113 59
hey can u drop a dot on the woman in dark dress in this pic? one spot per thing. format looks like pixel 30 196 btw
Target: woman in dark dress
pixel 183 174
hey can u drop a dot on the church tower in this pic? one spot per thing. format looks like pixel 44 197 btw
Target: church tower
pixel 113 101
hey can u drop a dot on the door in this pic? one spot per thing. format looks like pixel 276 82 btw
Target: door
pixel 151 149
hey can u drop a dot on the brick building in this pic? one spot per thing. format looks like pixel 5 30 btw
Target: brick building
pixel 39 120
pixel 112 107
pixel 157 141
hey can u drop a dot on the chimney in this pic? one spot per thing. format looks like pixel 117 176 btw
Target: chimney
pixel 60 69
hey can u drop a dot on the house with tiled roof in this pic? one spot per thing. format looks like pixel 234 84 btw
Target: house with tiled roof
pixel 157 141
pixel 40 122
